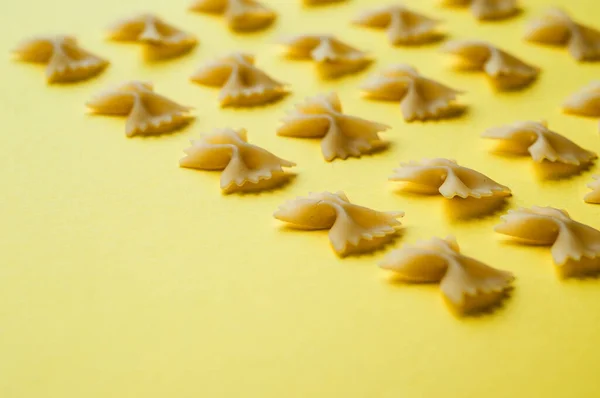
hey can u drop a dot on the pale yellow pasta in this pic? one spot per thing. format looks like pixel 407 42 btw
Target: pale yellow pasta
pixel 467 284
pixel 242 83
pixel 160 39
pixel 540 143
pixel 147 112
pixel 420 98
pixel 332 57
pixel 244 166
pixel 352 228
pixel 342 135
pixel 504 70
pixel 575 246
pixel 556 27
pixel 66 61
pixel 241 15
pixel 487 9
pixel 585 102
pixel 447 178
pixel 403 25
pixel 594 196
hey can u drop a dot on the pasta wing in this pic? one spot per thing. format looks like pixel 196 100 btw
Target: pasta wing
pixel 66 61
pixel 540 142
pixel 244 166
pixel 468 285
pixel 147 112
pixel 241 15
pixel 594 196
pixel 342 135
pixel 585 102
pixel 242 83
pixel 402 25
pixel 449 179
pixel 487 9
pixel 352 228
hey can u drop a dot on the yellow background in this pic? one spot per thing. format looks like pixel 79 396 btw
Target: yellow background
pixel 122 275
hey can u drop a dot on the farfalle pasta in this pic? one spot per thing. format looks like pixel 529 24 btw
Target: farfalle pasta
pixel 160 39
pixel 403 26
pixel 241 15
pixel 66 61
pixel 352 228
pixel 447 178
pixel 594 196
pixel 467 284
pixel 342 135
pixel 556 27
pixel 540 143
pixel 504 70
pixel 585 102
pixel 575 246
pixel 147 112
pixel 333 57
pixel 245 167
pixel 420 98
pixel 487 9
pixel 242 83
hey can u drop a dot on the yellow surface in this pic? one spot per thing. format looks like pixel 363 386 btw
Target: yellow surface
pixel 122 275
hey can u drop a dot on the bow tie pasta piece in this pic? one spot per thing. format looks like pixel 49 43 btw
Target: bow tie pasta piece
pixel 575 246
pixel 65 60
pixel 586 102
pixel 160 39
pixel 403 26
pixel 556 27
pixel 333 57
pixel 245 167
pixel 468 285
pixel 449 179
pixel 352 228
pixel 342 135
pixel 147 112
pixel 241 15
pixel 242 83
pixel 487 9
pixel 504 70
pixel 540 142
pixel 594 196
pixel 420 98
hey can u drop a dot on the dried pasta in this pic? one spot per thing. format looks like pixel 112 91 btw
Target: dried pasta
pixel 66 61
pixel 585 102
pixel 575 246
pixel 147 112
pixel 594 196
pixel 352 228
pixel 241 15
pixel 487 9
pixel 342 135
pixel 540 143
pixel 420 98
pixel 242 83
pixel 504 70
pixel 446 177
pixel 556 27
pixel 333 57
pixel 467 284
pixel 244 166
pixel 160 39
pixel 403 26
